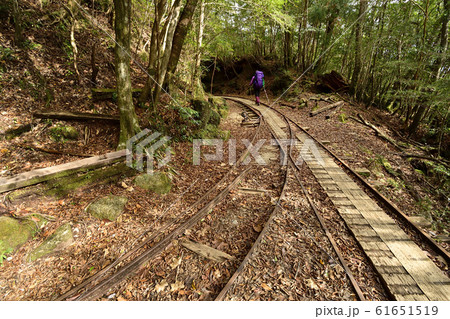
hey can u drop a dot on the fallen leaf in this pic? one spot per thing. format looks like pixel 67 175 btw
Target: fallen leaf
pixel 177 285
pixel 311 284
pixel 175 263
pixel 161 286
pixel 266 287
pixel 257 228
pixel 121 299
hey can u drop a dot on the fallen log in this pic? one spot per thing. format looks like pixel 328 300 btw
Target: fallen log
pixel 108 94
pixel 45 150
pixel 329 115
pixel 428 158
pixel 43 174
pixel 361 120
pixel 206 251
pixel 326 108
pixel 289 105
pixel 75 116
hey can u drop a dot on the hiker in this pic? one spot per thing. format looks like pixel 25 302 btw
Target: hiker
pixel 258 84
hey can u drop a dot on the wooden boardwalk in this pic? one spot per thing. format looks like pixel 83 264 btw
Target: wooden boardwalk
pixel 404 267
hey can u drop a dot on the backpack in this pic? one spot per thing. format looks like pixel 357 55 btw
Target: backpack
pixel 258 82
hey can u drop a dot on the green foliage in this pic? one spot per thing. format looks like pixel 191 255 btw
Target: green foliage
pixel 342 118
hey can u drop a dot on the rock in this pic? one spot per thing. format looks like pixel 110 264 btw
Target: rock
pixel 420 221
pixel 363 172
pixel 64 132
pixel 61 238
pixel 158 182
pixel 109 207
pixel 219 104
pixel 14 233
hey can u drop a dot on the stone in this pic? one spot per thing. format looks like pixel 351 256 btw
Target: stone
pixel 109 207
pixel 158 182
pixel 61 238
pixel 14 233
pixel 363 172
pixel 61 132
pixel 420 221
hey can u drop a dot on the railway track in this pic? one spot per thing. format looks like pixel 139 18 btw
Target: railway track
pixel 406 271
pixel 128 264
pixel 403 286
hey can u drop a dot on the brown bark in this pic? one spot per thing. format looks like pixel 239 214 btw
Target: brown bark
pixel 180 34
pixel 129 124
pixel 358 45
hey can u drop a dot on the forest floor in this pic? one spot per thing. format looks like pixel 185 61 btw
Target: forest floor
pixel 38 77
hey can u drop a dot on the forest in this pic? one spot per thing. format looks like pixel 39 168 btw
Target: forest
pixel 81 80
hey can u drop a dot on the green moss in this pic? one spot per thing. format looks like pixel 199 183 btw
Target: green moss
pixel 342 118
pixel 62 186
pixel 61 238
pixel 109 207
pixel 14 233
pixel 220 105
pixel 158 182
pixel 60 133
pixel 211 132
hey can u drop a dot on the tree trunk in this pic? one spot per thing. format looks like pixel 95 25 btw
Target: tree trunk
pixel 172 22
pixel 153 52
pixel 180 34
pixel 18 29
pixel 444 38
pixel 73 11
pixel 416 120
pixel 129 124
pixel 358 44
pixel 197 72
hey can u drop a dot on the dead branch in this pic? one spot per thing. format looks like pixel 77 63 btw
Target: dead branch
pixel 377 131
pixel 326 108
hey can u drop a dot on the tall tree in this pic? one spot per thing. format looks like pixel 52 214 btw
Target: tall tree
pixel 180 34
pixel 443 38
pixel 129 124
pixel 358 45
pixel 18 28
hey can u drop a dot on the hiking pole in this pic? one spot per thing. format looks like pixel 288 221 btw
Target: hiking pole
pixel 268 102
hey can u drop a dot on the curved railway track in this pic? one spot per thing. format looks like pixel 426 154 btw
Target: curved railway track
pixel 122 268
pixel 440 283
pixel 111 276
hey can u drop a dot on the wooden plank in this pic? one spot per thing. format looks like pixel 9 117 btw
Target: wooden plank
pixel 206 251
pixel 428 277
pixel 44 174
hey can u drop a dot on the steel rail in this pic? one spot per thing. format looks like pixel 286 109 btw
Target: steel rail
pixel 350 276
